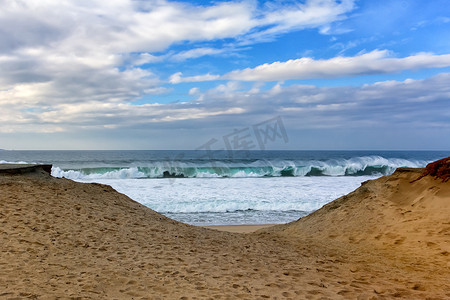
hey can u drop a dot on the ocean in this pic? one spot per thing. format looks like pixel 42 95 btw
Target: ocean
pixel 227 187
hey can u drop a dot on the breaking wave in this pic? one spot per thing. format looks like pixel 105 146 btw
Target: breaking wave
pixel 357 166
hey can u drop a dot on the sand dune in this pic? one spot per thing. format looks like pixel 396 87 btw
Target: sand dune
pixel 394 213
pixel 58 238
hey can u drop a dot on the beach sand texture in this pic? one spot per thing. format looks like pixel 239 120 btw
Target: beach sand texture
pixel 58 238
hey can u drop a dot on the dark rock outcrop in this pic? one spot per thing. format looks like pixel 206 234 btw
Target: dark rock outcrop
pixel 16 169
pixel 439 169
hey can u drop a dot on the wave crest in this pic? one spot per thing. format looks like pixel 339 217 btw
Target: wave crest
pixel 357 166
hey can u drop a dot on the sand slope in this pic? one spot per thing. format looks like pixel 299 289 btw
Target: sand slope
pixel 402 219
pixel 59 238
pixel 390 213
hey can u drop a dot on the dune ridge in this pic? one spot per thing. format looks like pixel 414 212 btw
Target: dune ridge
pixel 59 238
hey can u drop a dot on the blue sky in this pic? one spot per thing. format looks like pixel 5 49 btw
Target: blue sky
pixel 136 74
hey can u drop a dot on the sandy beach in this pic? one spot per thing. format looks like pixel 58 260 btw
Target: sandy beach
pixel 239 228
pixel 62 239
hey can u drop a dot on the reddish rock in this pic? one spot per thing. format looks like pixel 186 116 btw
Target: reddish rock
pixel 439 169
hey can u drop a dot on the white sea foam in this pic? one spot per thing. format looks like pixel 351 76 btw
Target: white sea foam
pixel 15 162
pixel 252 200
pixel 116 174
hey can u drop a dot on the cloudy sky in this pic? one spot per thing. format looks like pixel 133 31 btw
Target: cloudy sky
pixel 157 74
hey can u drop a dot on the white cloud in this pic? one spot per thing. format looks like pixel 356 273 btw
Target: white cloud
pixel 70 51
pixel 275 18
pixel 400 104
pixel 194 91
pixel 375 62
pixel 123 26
pixel 194 53
pixel 145 58
pixel 177 78
pixel 81 64
pixel 310 14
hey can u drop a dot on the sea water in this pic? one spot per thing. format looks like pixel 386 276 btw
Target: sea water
pixel 227 187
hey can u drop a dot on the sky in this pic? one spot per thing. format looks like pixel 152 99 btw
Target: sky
pixel 158 74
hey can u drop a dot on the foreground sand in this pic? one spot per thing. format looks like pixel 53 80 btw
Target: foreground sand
pixel 58 238
pixel 239 228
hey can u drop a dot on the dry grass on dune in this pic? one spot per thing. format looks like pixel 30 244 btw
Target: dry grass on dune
pixel 59 238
